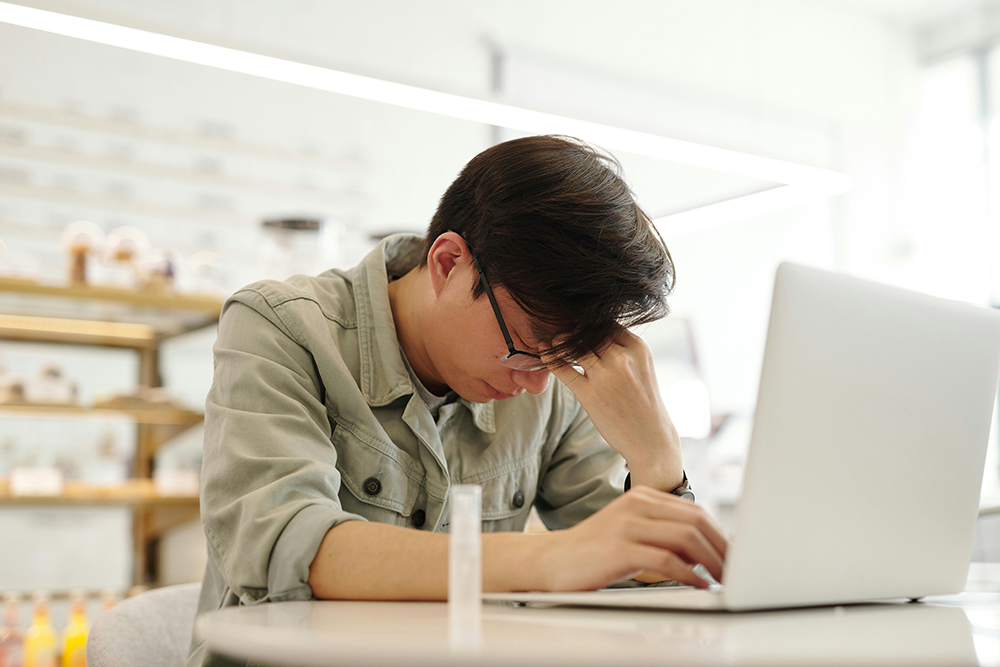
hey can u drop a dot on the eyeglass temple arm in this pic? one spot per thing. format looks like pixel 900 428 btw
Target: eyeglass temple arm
pixel 493 302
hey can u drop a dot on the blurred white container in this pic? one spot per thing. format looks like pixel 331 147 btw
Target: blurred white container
pixel 465 566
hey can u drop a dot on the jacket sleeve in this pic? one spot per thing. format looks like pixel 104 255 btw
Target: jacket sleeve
pixel 269 477
pixel 583 473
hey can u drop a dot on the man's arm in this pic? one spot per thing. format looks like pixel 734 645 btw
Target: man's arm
pixel 620 393
pixel 377 561
pixel 644 530
pixel 269 476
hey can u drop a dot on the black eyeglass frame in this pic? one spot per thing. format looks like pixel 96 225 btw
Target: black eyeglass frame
pixel 512 351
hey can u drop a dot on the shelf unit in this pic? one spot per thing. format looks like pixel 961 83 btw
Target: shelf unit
pixel 126 129
pixel 131 493
pixel 117 318
pixel 17 149
pixel 127 167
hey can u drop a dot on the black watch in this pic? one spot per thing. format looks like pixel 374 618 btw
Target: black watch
pixel 684 490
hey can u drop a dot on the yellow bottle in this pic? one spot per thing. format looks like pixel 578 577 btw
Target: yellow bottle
pixel 75 637
pixel 40 639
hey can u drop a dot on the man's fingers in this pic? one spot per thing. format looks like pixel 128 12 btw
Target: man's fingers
pixel 666 564
pixel 565 372
pixel 705 523
pixel 659 505
pixel 683 540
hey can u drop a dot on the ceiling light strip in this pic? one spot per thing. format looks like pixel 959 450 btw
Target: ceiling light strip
pixel 739 208
pixel 456 106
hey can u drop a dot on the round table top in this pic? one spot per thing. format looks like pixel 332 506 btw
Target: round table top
pixel 417 633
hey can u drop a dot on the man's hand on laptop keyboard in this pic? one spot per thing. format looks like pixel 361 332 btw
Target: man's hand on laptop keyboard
pixel 644 530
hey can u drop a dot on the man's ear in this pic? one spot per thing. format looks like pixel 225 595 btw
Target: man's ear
pixel 447 253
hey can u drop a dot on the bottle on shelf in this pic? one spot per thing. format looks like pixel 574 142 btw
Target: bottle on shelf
pixel 75 637
pixel 81 239
pixel 11 637
pixel 40 640
pixel 109 598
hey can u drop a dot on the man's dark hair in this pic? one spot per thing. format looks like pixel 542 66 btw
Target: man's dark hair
pixel 551 220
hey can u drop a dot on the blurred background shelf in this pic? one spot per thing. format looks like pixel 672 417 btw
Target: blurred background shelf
pixel 129 129
pixel 159 425
pixel 207 304
pixel 99 315
pixel 131 167
pixel 104 316
pixel 132 492
pixel 164 417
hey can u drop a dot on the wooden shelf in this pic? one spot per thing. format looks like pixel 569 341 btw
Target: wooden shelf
pixel 99 315
pixel 111 317
pixel 131 493
pixel 202 303
pixel 140 416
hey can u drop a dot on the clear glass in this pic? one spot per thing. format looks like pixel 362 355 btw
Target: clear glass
pixel 522 361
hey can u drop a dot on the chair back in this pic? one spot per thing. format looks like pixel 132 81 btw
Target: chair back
pixel 152 629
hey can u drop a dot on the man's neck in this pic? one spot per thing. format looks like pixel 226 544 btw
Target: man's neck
pixel 407 300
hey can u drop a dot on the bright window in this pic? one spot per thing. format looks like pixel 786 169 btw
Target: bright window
pixel 948 241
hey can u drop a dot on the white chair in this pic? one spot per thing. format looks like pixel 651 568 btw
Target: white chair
pixel 150 630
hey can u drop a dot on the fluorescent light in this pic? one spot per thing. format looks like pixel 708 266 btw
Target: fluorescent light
pixel 747 206
pixel 802 182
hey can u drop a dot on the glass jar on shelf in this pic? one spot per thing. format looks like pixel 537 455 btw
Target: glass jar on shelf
pixel 158 270
pixel 81 240
pixel 124 248
pixel 292 246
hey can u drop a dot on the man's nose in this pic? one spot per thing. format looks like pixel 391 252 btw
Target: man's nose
pixel 534 382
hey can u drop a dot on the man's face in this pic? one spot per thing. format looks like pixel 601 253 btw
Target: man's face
pixel 467 344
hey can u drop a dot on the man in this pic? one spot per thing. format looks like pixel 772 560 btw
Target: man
pixel 345 405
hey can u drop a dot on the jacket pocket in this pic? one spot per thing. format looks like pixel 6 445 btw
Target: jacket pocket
pixel 508 495
pixel 378 481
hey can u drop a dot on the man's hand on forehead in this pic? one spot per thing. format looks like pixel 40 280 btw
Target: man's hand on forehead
pixel 618 389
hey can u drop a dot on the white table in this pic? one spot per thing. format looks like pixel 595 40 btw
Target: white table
pixel 954 630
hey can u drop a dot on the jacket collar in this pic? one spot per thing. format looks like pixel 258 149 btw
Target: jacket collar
pixel 384 377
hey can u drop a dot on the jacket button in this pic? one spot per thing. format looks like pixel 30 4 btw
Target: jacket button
pixel 372 486
pixel 518 499
pixel 418 518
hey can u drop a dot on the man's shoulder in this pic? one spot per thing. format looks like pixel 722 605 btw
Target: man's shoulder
pixel 329 296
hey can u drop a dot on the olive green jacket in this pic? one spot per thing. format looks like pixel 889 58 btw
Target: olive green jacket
pixel 312 419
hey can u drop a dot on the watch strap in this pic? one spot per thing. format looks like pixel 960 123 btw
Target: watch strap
pixel 683 489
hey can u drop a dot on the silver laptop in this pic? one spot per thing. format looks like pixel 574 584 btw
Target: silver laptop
pixel 863 476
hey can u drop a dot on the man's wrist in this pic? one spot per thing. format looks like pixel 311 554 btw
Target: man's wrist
pixel 516 562
pixel 664 473
pixel 658 464
pixel 683 489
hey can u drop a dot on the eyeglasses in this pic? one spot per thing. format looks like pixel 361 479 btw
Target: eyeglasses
pixel 517 359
